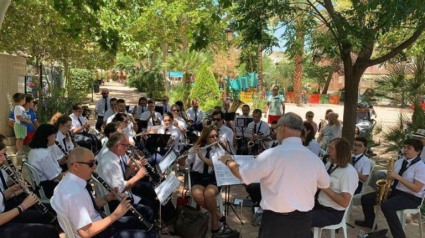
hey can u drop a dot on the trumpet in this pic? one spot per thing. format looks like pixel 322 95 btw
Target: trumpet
pixel 148 225
pixel 18 180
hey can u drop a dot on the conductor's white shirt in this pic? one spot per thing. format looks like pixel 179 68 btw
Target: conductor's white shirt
pixel 289 176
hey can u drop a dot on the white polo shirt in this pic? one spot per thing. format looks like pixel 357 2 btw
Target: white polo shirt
pixel 108 114
pixel 100 105
pixel 314 147
pixel 75 122
pixel 343 180
pixel 175 135
pixel 263 128
pixel 67 145
pixel 289 176
pixel 56 152
pixel 109 168
pixel 138 111
pixel 363 164
pixel 225 134
pixel 198 164
pixel 72 199
pixel 146 115
pixel 168 108
pixel 45 163
pixel 414 172
pixel 191 114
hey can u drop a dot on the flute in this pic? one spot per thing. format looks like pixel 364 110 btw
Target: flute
pixel 148 225
pixel 21 183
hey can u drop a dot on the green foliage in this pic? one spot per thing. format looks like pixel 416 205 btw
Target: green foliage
pixel 55 102
pixel 260 104
pixel 206 89
pixel 151 82
pixel 125 62
pixel 188 62
pixel 317 73
pixel 82 81
pixel 178 93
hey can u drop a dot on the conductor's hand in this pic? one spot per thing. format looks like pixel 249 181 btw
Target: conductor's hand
pixel 224 158
pixel 122 208
pixel 29 201
pixel 141 173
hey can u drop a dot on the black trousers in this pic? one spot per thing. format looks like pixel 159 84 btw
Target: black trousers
pixel 125 227
pixel 99 123
pixel 254 191
pixel 398 200
pixel 291 225
pixel 28 230
pixel 325 216
pixel 359 188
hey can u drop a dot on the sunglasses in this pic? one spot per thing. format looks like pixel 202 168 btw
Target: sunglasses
pixel 90 164
pixel 175 110
pixel 216 119
pixel 214 136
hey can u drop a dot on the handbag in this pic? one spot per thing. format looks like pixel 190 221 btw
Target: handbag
pixel 183 200
pixel 190 223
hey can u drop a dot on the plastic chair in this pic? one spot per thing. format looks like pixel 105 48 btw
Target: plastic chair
pixel 357 198
pixel 63 221
pixel 192 202
pixel 402 217
pixel 101 191
pixel 31 176
pixel 318 231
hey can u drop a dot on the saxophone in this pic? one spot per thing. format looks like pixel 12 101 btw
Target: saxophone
pixel 383 186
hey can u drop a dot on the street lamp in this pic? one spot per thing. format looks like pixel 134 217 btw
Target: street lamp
pixel 229 38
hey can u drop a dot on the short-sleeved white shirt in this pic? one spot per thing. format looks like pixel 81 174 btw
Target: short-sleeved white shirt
pixel 109 168
pixel 146 115
pixel 343 180
pixel 100 105
pixel 19 111
pixel 414 172
pixel 314 147
pixel 75 122
pixel 225 134
pixel 139 111
pixel 108 114
pixel 263 128
pixel 363 164
pixel 61 139
pixel 45 163
pixel 191 114
pixel 198 164
pixel 56 152
pixel 289 176
pixel 72 199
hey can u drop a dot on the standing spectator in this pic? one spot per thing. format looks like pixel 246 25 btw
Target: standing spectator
pixel 309 118
pixel 21 118
pixel 29 105
pixel 275 105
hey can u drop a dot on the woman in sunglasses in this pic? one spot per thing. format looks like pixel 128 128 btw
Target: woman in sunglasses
pixel 204 184
pixel 43 160
pixel 178 121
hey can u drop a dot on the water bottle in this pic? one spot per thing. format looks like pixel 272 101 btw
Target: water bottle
pixel 361 233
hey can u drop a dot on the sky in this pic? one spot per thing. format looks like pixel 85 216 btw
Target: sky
pixel 278 34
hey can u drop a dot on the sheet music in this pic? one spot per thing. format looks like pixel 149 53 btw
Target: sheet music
pixel 223 174
pixel 167 187
pixel 246 131
pixel 167 161
pixel 154 128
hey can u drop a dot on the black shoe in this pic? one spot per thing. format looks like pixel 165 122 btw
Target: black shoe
pixel 364 224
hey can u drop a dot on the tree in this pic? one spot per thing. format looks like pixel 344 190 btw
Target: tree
pixel 206 89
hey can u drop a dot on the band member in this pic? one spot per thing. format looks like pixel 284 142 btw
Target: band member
pixel 275 105
pixel 224 132
pixel 195 115
pixel 226 107
pixel 407 189
pixel 259 130
pixel 332 201
pixel 43 160
pixel 17 221
pixel 360 161
pixel 111 111
pixel 102 106
pixel 308 140
pixel 73 198
pixel 172 130
pixel 166 107
pixel 140 108
pixel 287 206
pixel 204 184
pixel 152 117
pixel 110 129
pixel 182 111
pixel 79 123
pixel 125 125
pixel 63 124
pixel 179 122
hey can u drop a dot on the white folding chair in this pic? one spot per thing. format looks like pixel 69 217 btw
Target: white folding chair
pixel 402 216
pixel 192 201
pixel 65 223
pixel 357 198
pixel 101 192
pixel 343 224
pixel 31 176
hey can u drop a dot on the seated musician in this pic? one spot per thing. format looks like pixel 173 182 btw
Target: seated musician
pixel 308 139
pixel 74 199
pixel 125 125
pixel 43 160
pixel 121 108
pixel 331 202
pixel 360 161
pixel 182 111
pixel 204 184
pixel 63 144
pixel 151 116
pixel 195 115
pixel 407 189
pixel 224 132
pixel 260 130
pixel 111 111
pixel 110 129
pixel 165 105
pixel 18 221
pixel 226 107
pixel 140 108
pixel 79 123
pixel 170 129
pixel 179 122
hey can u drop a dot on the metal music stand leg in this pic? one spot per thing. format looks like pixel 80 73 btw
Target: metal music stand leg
pixel 228 204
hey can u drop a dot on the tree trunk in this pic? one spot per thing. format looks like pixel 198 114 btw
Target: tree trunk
pixel 4 4
pixel 328 81
pixel 164 59
pixel 260 68
pixel 298 64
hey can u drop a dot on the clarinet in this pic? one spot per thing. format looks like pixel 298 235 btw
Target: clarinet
pixel 12 166
pixel 61 148
pixel 146 224
pixel 154 176
pixel 20 181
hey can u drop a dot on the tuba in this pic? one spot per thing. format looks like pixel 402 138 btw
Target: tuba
pixel 235 105
pixel 383 186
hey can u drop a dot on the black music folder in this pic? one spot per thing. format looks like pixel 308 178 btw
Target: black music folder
pixel 159 109
pixel 229 116
pixel 156 140
pixel 142 124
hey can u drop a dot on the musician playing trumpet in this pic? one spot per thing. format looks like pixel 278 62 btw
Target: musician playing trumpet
pixel 224 132
pixel 151 116
pixel 204 184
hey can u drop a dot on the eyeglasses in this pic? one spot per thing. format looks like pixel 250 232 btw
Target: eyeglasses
pixel 126 145
pixel 90 164
pixel 216 119
pixel 274 129
pixel 175 110
pixel 310 116
pixel 214 136
pixel 122 106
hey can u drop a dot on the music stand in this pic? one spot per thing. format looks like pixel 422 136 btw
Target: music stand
pixel 242 124
pixel 229 116
pixel 141 125
pixel 159 109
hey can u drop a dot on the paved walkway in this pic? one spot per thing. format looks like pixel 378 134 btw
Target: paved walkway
pixel 386 116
